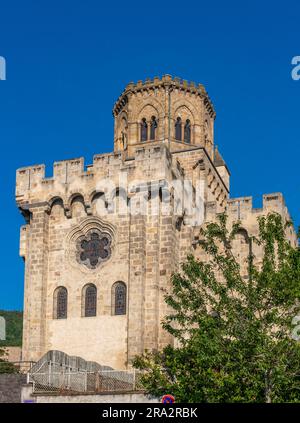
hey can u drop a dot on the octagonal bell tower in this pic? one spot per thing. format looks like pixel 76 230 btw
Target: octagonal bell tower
pixel 164 110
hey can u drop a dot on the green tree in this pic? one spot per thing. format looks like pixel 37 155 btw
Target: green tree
pixel 6 366
pixel 234 331
pixel 14 323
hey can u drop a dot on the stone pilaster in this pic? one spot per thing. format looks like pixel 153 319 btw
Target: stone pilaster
pixel 35 285
pixel 136 289
pixel 167 266
pixel 152 274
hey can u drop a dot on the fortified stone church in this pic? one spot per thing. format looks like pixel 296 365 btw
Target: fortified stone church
pixel 95 281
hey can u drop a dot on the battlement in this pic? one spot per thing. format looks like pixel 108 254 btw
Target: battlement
pixel 241 207
pixel 67 172
pixel 164 81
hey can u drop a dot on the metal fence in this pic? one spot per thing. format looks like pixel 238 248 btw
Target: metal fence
pixel 85 382
pixel 59 373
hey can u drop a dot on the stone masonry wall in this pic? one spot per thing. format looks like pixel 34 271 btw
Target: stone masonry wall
pixel 10 387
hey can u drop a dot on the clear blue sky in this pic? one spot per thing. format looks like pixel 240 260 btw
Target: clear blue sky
pixel 67 62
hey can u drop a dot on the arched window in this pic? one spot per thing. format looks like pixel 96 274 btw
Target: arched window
pixel 119 298
pixel 178 130
pixel 89 300
pixel 60 303
pixel 153 127
pixel 187 131
pixel 124 128
pixel 144 130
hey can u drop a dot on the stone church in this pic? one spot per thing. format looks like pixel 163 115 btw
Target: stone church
pixel 96 273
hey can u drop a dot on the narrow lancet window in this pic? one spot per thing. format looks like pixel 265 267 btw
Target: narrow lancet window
pixel 187 131
pixel 144 130
pixel 153 127
pixel 178 129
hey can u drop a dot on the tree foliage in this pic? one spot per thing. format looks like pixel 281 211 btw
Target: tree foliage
pixel 234 331
pixel 6 366
pixel 14 327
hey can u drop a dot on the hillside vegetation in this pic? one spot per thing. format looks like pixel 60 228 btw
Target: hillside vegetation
pixel 14 325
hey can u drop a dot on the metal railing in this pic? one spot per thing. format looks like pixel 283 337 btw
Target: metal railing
pixel 58 373
pixel 85 382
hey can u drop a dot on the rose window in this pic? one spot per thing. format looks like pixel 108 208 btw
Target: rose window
pixel 93 249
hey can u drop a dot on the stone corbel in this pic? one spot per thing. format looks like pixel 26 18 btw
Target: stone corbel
pixel 48 208
pixel 68 212
pixel 199 163
pixel 88 209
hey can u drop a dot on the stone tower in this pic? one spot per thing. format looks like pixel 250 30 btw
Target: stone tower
pixel 166 110
pixel 97 264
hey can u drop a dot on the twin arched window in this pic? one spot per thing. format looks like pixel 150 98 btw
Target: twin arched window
pixel 186 132
pixel 145 135
pixel 182 130
pixel 89 300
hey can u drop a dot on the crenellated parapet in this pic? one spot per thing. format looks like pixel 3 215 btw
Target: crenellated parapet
pixel 72 179
pixel 29 177
pixel 243 206
pixel 242 209
pixel 166 81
